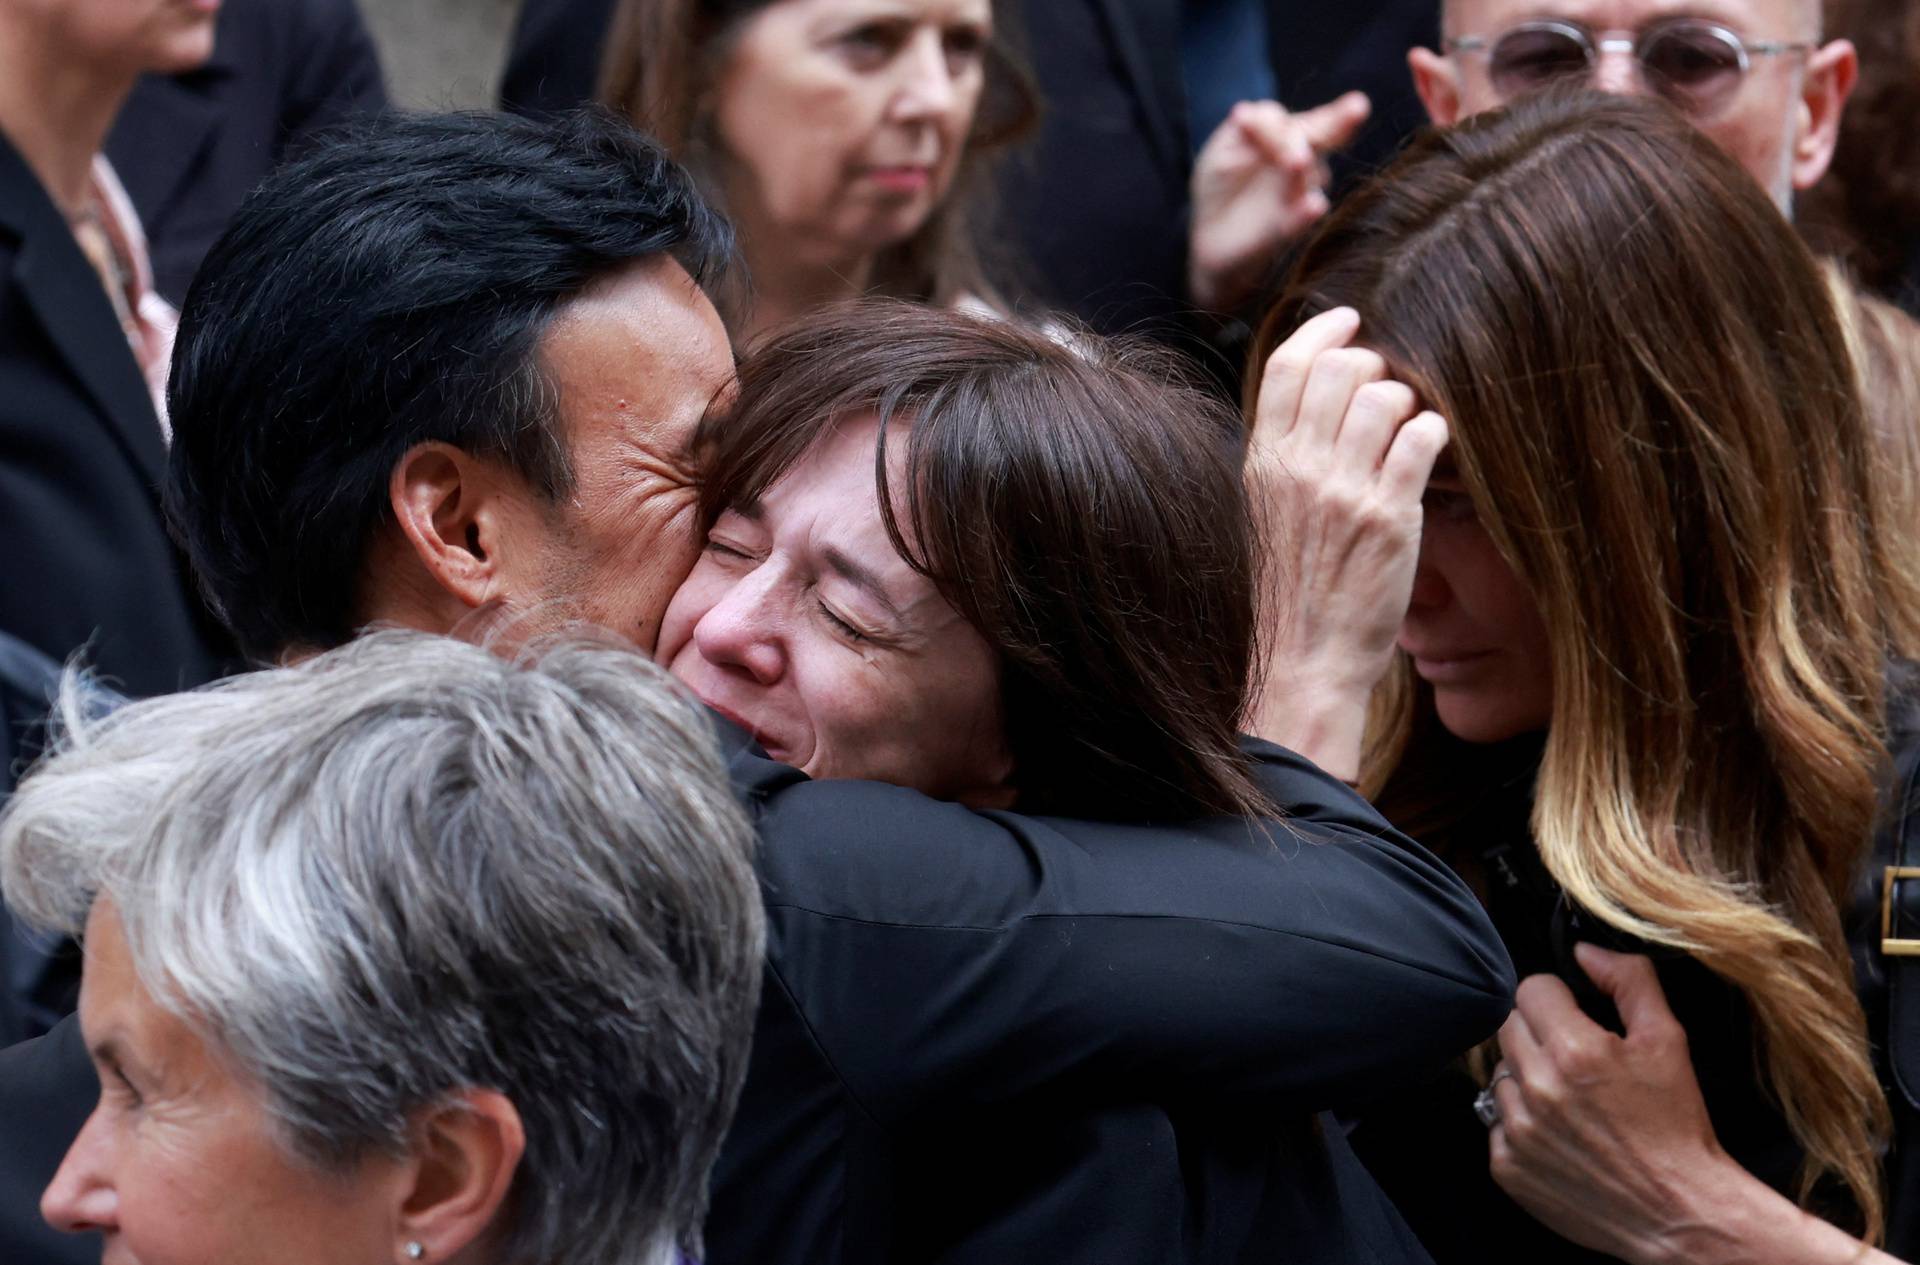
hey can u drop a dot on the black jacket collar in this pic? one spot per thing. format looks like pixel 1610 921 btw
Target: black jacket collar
pixel 66 296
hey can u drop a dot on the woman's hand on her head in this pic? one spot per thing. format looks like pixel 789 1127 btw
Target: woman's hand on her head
pixel 1606 1140
pixel 1258 183
pixel 1336 466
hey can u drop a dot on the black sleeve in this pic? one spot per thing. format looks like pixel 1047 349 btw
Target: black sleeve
pixel 944 958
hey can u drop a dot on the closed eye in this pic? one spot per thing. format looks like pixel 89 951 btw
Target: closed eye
pixel 722 549
pixel 116 1080
pixel 842 626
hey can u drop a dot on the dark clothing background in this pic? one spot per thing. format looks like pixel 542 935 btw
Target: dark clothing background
pixel 47 1090
pixel 945 988
pixel 1140 1184
pixel 990 1037
pixel 1099 203
pixel 30 1001
pixel 89 563
pixel 189 147
pixel 1890 985
pixel 553 61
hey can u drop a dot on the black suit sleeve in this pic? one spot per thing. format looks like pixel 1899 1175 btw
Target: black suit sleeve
pixel 944 959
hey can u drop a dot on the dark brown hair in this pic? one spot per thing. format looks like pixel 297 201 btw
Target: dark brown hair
pixel 1652 408
pixel 663 59
pixel 1076 502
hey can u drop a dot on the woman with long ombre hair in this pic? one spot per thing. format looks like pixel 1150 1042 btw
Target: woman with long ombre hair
pixel 1637 688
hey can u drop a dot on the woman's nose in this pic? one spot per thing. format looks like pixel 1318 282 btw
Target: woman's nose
pixel 1429 586
pixel 81 1196
pixel 744 630
pixel 926 89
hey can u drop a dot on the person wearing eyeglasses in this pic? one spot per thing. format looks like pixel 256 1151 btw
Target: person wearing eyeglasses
pixel 1755 75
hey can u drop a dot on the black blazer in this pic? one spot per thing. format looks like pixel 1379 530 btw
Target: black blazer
pixel 189 147
pixel 88 562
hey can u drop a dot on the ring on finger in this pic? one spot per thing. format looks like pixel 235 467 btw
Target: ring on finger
pixel 1485 1105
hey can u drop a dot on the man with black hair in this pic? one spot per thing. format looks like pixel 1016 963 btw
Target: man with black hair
pixel 534 293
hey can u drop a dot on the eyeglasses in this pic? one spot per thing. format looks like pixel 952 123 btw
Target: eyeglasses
pixel 1694 64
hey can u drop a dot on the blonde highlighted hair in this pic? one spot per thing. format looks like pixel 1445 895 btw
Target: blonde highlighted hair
pixel 1653 411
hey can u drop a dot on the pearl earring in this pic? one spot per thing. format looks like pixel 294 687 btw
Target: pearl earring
pixel 415 1252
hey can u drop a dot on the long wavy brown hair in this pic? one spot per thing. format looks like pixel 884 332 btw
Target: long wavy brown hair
pixel 1653 412
pixel 663 59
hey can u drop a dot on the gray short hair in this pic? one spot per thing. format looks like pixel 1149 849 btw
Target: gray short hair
pixel 408 866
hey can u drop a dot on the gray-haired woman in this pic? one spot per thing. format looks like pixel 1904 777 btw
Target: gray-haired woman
pixel 405 953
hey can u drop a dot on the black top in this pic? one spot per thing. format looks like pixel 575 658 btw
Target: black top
pixel 982 1032
pixel 1429 1151
pixel 88 561
pixel 1099 1042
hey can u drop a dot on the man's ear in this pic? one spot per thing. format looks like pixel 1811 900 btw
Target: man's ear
pixel 466 1152
pixel 450 509
pixel 1437 81
pixel 1832 70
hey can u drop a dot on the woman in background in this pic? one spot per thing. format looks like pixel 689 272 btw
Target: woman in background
pixel 1641 692
pixel 845 139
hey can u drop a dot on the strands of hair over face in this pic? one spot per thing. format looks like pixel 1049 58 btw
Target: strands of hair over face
pixel 1652 412
pixel 1082 511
